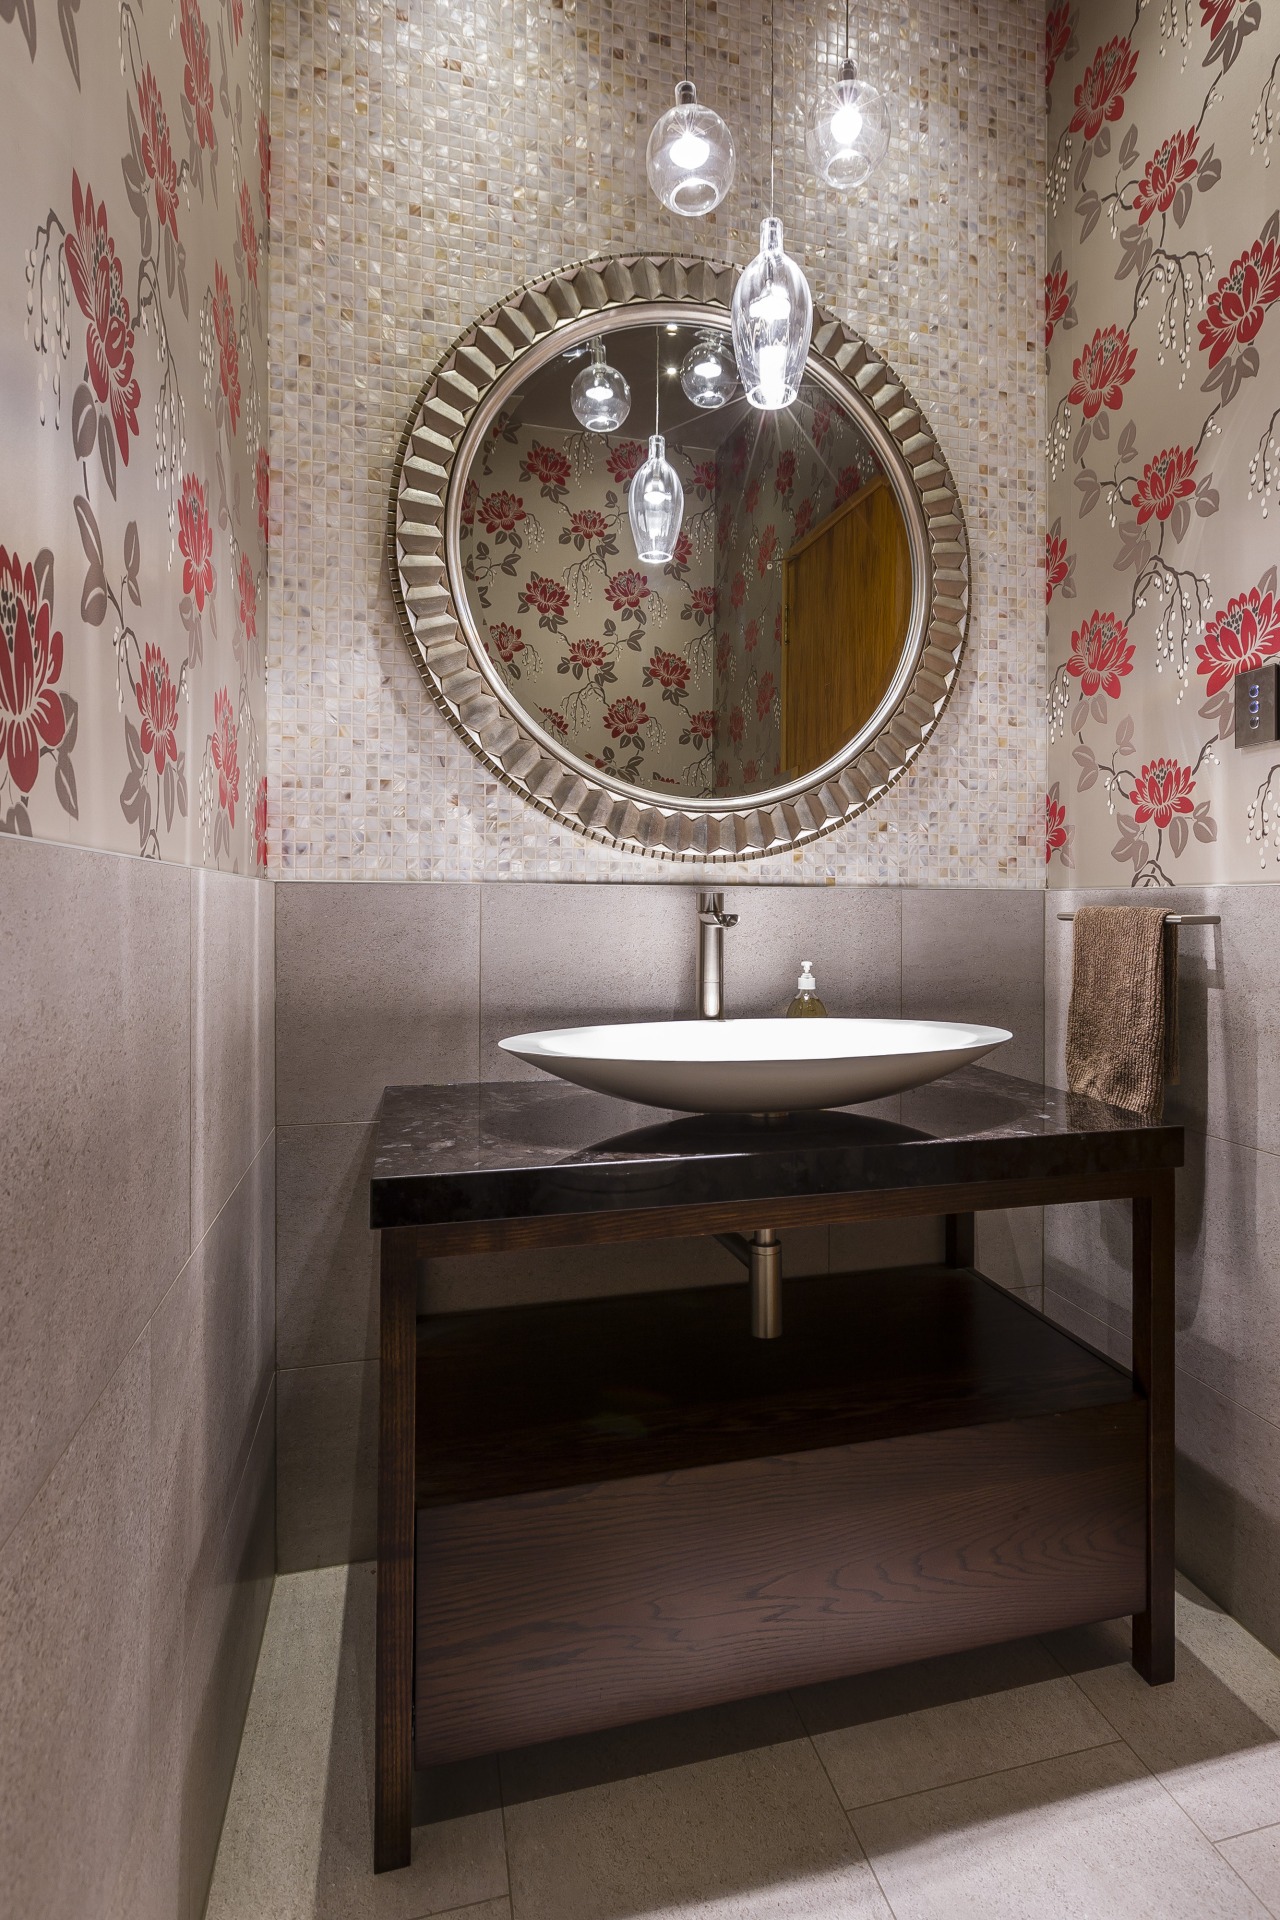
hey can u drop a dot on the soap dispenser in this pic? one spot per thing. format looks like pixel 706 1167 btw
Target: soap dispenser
pixel 806 1005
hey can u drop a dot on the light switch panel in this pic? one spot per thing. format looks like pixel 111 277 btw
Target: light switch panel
pixel 1258 706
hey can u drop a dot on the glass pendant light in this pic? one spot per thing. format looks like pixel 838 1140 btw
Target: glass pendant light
pixel 772 311
pixel 708 372
pixel 655 501
pixel 690 159
pixel 847 131
pixel 600 396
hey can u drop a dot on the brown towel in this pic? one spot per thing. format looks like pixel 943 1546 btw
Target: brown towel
pixel 1122 1024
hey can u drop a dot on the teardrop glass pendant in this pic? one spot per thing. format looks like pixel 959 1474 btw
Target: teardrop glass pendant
pixel 847 131
pixel 600 396
pixel 655 505
pixel 708 372
pixel 772 323
pixel 690 158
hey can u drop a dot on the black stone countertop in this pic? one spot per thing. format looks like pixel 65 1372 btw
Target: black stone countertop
pixel 504 1150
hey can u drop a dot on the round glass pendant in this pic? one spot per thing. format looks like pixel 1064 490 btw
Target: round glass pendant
pixel 690 159
pixel 847 131
pixel 600 396
pixel 708 372
pixel 772 322
pixel 655 505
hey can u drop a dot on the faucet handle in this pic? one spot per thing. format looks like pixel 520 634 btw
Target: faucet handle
pixel 711 911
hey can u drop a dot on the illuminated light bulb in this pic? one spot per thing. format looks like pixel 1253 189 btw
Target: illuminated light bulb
pixel 600 396
pixel 772 323
pixel 847 135
pixel 690 159
pixel 655 506
pixel 708 373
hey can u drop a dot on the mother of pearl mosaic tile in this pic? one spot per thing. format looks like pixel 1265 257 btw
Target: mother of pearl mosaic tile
pixel 427 158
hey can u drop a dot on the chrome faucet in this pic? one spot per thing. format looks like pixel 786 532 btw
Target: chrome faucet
pixel 712 921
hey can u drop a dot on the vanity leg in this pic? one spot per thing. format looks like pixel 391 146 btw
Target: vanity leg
pixel 1153 1306
pixel 961 1248
pixel 393 1764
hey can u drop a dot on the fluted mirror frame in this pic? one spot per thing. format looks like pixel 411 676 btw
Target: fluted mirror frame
pixel 462 393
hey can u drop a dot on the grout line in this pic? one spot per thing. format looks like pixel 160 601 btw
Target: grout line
pixel 848 1817
pixel 506 1852
pixel 1268 1826
pixel 1193 1822
pixel 991 1773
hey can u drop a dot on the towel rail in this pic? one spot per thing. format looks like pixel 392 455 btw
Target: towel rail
pixel 1177 919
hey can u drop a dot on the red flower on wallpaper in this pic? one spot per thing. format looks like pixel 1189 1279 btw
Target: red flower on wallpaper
pixel 236 9
pixel 1057 301
pixel 625 460
pixel 548 466
pixel 784 477
pixel 98 282
pixel 587 524
pixel 248 233
pixel 248 599
pixel 260 823
pixel 262 492
pixel 737 589
pixel 751 636
pixel 1103 370
pixel 724 653
pixel 547 597
pixel 225 748
pixel 197 79
pixel 702 727
pixel 1163 788
pixel 682 553
pixel 751 498
pixel 264 158
pixel 1100 95
pixel 669 670
pixel 555 719
pixel 627 718
pixel 1057 564
pixel 737 726
pixel 804 517
pixel 224 327
pixel 501 512
pixel 821 425
pixel 764 696
pixel 1238 304
pixel 847 483
pixel 1165 480
pixel 704 476
pixel 1215 14
pixel 768 547
pixel 157 150
pixel 1057 38
pixel 1056 831
pixel 1101 655
pixel 587 654
pixel 195 542
pixel 627 589
pixel 702 604
pixel 1170 167
pixel 31 713
pixel 505 641
pixel 158 709
pixel 1239 640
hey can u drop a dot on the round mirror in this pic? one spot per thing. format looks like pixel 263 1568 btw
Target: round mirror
pixel 737 658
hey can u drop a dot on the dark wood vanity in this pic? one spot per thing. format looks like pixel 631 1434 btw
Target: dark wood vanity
pixel 599 1510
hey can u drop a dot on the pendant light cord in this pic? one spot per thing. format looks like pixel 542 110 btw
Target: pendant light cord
pixel 846 28
pixel 773 82
pixel 686 38
pixel 657 377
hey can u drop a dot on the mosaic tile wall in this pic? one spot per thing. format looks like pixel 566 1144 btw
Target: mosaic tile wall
pixel 427 159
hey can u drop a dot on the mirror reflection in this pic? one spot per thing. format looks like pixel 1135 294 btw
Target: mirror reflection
pixel 767 623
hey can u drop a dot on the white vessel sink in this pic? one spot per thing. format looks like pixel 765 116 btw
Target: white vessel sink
pixel 756 1066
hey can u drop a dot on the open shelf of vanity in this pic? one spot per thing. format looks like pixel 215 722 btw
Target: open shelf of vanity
pixel 598 1510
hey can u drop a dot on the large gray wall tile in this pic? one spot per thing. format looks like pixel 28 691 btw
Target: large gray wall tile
pixel 94 1133
pixel 853 935
pixel 327 1290
pixel 1228 1314
pixel 74 1739
pixel 327 1428
pixel 978 954
pixel 232 1034
pixel 1231 1019
pixel 1228 1506
pixel 374 985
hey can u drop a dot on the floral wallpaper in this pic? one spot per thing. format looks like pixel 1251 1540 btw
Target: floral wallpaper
pixel 134 521
pixel 611 656
pixel 1164 438
pixel 777 477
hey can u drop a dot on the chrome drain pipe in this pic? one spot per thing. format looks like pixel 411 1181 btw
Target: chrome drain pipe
pixel 761 1255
